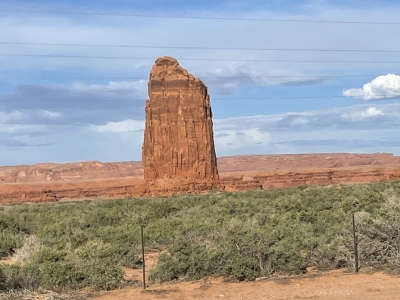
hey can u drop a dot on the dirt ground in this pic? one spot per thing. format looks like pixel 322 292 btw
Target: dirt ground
pixel 8 261
pixel 335 285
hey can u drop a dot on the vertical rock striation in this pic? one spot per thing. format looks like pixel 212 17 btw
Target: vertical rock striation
pixel 178 137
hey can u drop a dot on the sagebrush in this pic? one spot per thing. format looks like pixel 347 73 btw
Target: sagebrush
pixel 241 235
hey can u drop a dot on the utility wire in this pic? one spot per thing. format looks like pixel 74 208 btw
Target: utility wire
pixel 199 17
pixel 199 47
pixel 199 76
pixel 212 99
pixel 202 59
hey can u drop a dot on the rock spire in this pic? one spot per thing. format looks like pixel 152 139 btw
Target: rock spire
pixel 178 137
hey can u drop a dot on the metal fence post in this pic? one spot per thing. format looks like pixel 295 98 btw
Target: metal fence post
pixel 355 246
pixel 143 261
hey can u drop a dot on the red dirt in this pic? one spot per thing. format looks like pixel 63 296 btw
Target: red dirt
pixel 333 285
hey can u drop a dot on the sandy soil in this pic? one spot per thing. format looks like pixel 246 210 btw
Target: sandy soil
pixel 335 285
pixel 7 261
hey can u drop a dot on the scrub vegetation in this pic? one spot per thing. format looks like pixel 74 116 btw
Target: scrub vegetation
pixel 241 236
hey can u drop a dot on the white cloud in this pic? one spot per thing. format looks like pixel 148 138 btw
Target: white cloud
pixel 79 102
pixel 228 142
pixel 13 116
pixel 11 129
pixel 118 127
pixel 326 130
pixel 362 115
pixel 299 121
pixel 230 78
pixel 137 86
pixel 382 87
pixel 51 114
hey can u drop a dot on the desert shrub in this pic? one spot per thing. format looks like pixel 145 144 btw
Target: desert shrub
pixel 3 280
pixel 8 242
pixel 276 231
pixel 42 294
pixel 183 259
pixel 30 245
pixel 243 235
pixel 127 256
pixel 91 265
pixel 67 274
pixel 239 249
pixel 378 235
pixel 18 277
pixel 103 275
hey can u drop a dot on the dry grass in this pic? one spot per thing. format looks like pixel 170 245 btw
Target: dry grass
pixel 31 245
pixel 41 295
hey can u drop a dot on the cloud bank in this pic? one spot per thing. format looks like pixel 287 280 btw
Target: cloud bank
pixel 360 128
pixel 381 88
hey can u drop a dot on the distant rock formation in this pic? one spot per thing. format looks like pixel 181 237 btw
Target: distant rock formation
pixel 178 137
pixel 94 180
pixel 77 171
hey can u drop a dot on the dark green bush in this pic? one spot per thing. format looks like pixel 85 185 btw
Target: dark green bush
pixel 8 243
pixel 3 280
pixel 88 266
pixel 18 277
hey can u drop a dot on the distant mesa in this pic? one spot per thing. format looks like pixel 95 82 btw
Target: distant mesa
pixel 88 180
pixel 178 136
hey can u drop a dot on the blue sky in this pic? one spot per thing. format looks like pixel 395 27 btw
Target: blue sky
pixel 62 108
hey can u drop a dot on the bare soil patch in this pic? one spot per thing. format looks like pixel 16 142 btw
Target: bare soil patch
pixel 7 261
pixel 335 285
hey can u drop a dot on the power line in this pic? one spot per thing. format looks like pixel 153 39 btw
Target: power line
pixel 200 76
pixel 212 99
pixel 199 47
pixel 201 59
pixel 199 17
pixel 281 98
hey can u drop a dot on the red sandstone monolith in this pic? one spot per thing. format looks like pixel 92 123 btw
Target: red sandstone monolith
pixel 178 137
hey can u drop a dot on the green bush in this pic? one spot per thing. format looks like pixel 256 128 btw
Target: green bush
pixel 88 266
pixel 18 277
pixel 8 243
pixel 242 235
pixel 378 235
pixel 3 281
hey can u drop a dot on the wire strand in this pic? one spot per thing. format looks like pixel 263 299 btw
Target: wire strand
pixel 199 17
pixel 200 76
pixel 201 59
pixel 199 47
pixel 212 98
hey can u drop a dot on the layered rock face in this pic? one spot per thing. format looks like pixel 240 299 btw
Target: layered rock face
pixel 95 180
pixel 77 171
pixel 178 137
